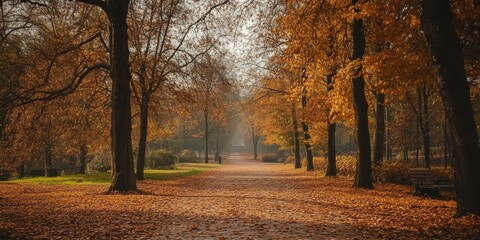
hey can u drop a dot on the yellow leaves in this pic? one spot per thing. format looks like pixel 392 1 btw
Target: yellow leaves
pixel 415 22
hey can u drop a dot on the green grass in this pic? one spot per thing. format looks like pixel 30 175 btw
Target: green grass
pixel 183 170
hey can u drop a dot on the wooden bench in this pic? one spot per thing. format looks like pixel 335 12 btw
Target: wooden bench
pixel 423 181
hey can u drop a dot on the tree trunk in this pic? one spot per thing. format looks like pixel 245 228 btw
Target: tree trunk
pixel 142 145
pixel 298 163
pixel 446 51
pixel 331 161
pixel 417 148
pixel 123 175
pixel 331 152
pixel 363 176
pixel 306 135
pixel 217 145
pixel 3 121
pixel 206 134
pixel 48 160
pixel 426 128
pixel 83 159
pixel 21 170
pixel 379 137
pixel 256 138
pixel 445 141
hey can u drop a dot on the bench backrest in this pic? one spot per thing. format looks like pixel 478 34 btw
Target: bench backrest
pixel 422 176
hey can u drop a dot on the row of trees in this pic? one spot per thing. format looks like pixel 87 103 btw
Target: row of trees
pixel 65 65
pixel 332 61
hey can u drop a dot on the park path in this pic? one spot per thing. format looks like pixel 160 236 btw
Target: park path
pixel 242 199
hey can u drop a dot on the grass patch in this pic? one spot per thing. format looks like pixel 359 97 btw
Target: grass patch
pixel 183 170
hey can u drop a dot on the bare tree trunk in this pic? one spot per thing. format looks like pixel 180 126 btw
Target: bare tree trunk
pixel 331 151
pixel 83 159
pixel 48 159
pixel 298 163
pixel 426 128
pixel 306 134
pixel 363 176
pixel 206 134
pixel 331 158
pixel 379 137
pixel 217 144
pixel 446 51
pixel 142 145
pixel 123 175
pixel 255 139
pixel 445 141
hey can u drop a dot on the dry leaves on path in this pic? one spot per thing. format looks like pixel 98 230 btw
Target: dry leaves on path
pixel 243 199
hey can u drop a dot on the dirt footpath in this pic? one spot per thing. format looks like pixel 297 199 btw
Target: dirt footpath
pixel 243 199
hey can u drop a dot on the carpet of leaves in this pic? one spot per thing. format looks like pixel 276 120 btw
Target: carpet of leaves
pixel 243 199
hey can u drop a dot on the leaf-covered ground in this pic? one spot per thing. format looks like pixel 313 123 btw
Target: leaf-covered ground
pixel 243 199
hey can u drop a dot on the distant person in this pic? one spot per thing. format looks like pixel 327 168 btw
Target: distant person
pixel 219 159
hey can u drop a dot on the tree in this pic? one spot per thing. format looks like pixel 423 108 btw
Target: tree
pixel 160 33
pixel 210 87
pixel 363 177
pixel 123 175
pixel 446 52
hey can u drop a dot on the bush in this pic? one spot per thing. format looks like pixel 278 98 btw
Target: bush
pixel 391 172
pixel 444 176
pixel 161 159
pixel 6 173
pixel 100 163
pixel 36 172
pixel 270 158
pixel 187 155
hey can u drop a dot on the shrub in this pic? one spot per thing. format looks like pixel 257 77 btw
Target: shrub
pixel 6 173
pixel 391 172
pixel 187 155
pixel 444 176
pixel 270 158
pixel 100 163
pixel 36 172
pixel 161 159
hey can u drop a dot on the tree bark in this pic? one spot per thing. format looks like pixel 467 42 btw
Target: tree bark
pixel 255 139
pixel 206 134
pixel 123 175
pixel 331 151
pixel 331 158
pixel 425 128
pixel 296 139
pixel 446 52
pixel 142 145
pixel 83 159
pixel 306 135
pixel 379 136
pixel 363 176
pixel 445 141
pixel 48 159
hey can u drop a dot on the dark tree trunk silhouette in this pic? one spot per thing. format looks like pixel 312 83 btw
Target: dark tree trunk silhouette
pixel 363 176
pixel 83 159
pixel 255 139
pixel 123 175
pixel 331 155
pixel 206 134
pixel 446 51
pixel 48 159
pixel 306 134
pixel 423 122
pixel 379 136
pixel 331 152
pixel 142 145
pixel 296 140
